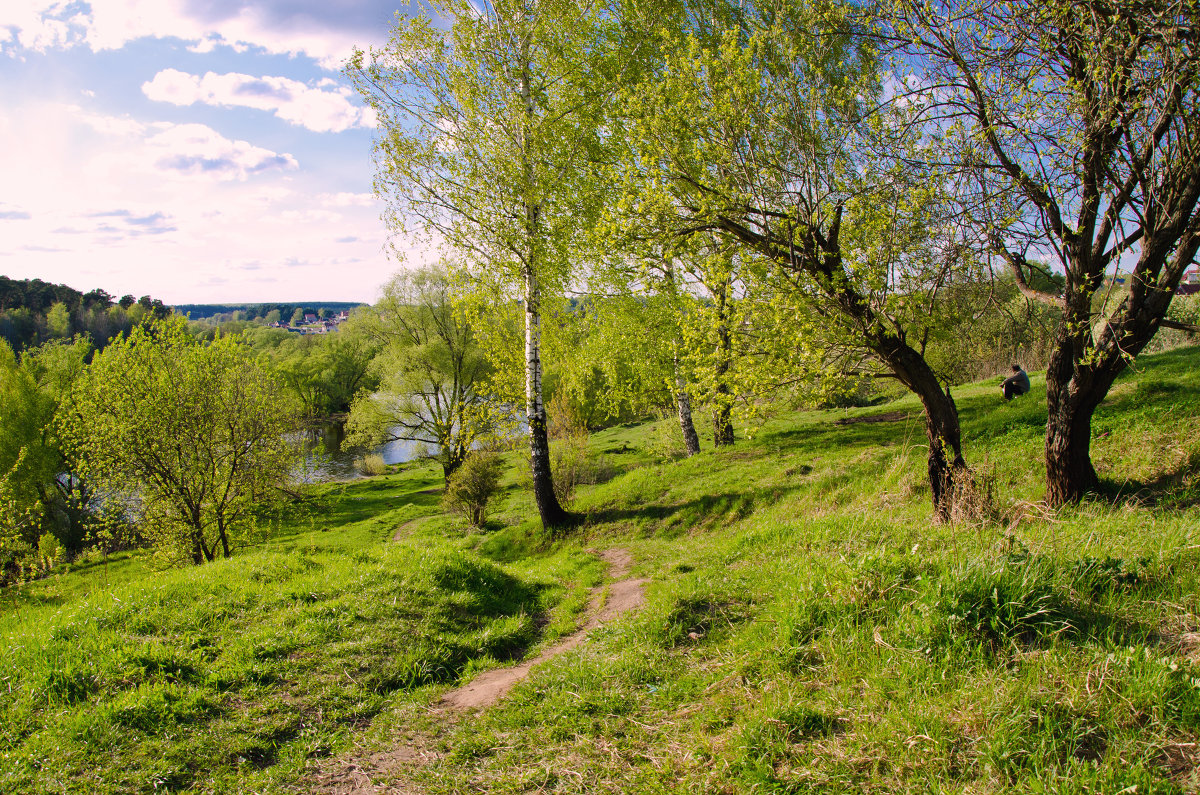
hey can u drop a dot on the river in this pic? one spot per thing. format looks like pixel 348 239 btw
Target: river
pixel 330 459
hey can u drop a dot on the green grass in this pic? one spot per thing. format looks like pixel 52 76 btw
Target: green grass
pixel 233 675
pixel 807 627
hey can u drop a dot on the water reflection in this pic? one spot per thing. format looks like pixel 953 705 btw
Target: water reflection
pixel 328 458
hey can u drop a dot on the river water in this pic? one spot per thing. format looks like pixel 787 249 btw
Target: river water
pixel 329 459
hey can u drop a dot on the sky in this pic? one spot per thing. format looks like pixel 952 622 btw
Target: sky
pixel 199 151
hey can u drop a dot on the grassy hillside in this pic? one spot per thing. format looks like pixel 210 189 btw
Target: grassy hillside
pixel 807 627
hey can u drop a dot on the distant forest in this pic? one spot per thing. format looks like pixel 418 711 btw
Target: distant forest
pixel 34 312
pixel 257 311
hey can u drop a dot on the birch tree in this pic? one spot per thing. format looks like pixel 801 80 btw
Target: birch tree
pixel 486 130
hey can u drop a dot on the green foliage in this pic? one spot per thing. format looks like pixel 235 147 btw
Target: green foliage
pixel 472 486
pixel 33 312
pixel 192 437
pixel 324 372
pixel 764 141
pixel 49 550
pixel 431 371
pixel 38 479
pixel 489 127
pixel 1184 309
pixel 987 326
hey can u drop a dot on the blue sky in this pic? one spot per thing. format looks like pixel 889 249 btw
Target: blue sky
pixel 195 150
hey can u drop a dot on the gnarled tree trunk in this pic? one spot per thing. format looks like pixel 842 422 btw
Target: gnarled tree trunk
pixel 950 480
pixel 1083 368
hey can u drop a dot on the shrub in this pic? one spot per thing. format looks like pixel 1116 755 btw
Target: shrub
pixel 371 464
pixel 572 464
pixel 472 485
pixel 666 438
pixel 49 550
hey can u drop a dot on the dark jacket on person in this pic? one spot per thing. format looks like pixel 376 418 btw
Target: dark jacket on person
pixel 1015 384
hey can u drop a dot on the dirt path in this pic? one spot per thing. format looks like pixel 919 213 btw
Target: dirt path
pixel 623 595
pixel 403 529
pixel 355 776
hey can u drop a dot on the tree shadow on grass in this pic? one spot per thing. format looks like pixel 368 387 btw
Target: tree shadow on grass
pixel 855 432
pixel 367 499
pixel 1177 489
pixel 699 513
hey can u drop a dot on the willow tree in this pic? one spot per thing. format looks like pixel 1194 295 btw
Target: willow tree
pixel 431 372
pixel 486 129
pixel 1079 126
pixel 761 126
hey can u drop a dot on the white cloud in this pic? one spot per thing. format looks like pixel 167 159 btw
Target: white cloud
pixel 324 31
pixel 175 210
pixel 39 26
pixel 166 150
pixel 291 100
pixel 348 199
pixel 197 150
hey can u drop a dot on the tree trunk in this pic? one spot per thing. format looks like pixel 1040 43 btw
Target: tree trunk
pixel 722 397
pixel 1069 470
pixel 950 481
pixel 691 440
pixel 683 399
pixel 552 513
pixel 1075 386
pixel 722 424
pixel 224 539
pixel 949 478
pixel 453 455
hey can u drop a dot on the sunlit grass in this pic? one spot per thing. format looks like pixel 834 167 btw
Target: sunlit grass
pixel 807 628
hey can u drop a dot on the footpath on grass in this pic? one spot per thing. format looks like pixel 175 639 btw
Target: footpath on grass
pixel 356 776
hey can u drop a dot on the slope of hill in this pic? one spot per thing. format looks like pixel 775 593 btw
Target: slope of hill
pixel 807 628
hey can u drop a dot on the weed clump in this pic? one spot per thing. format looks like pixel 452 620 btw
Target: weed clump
pixel 371 465
pixel 994 609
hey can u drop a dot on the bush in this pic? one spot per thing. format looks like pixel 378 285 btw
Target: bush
pixel 49 550
pixel 1184 309
pixel 572 464
pixel 371 464
pixel 472 485
pixel 666 438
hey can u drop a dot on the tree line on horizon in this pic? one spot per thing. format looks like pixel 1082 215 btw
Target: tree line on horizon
pixel 34 312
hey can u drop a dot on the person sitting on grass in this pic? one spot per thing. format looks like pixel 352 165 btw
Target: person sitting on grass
pixel 1015 384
